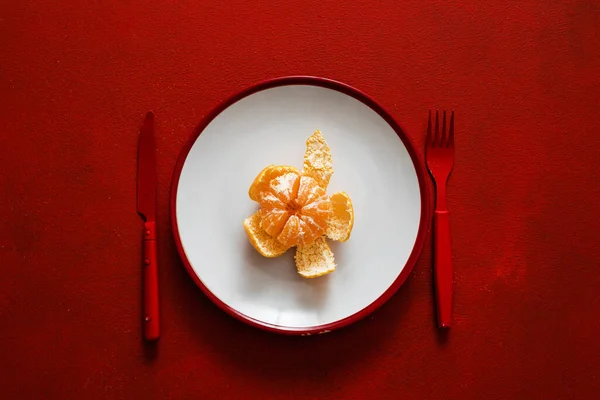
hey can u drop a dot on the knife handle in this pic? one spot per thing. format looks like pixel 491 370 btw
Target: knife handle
pixel 443 267
pixel 151 319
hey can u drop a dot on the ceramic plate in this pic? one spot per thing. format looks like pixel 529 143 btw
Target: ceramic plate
pixel 374 162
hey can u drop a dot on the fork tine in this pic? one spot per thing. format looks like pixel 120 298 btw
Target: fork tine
pixel 451 132
pixel 428 139
pixel 436 138
pixel 443 139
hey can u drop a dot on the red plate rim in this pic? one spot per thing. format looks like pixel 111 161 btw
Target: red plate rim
pixel 417 162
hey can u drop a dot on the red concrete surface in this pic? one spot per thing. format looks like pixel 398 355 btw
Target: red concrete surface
pixel 76 78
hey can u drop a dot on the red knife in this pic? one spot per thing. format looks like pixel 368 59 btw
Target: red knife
pixel 146 207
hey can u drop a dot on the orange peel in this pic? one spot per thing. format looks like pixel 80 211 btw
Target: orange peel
pixel 315 259
pixel 265 244
pixel 318 160
pixel 341 222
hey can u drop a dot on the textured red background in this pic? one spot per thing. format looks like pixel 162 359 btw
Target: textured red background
pixel 76 78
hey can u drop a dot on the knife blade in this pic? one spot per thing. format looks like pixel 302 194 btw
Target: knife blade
pixel 146 208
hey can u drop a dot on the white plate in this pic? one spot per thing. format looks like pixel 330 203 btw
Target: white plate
pixel 374 163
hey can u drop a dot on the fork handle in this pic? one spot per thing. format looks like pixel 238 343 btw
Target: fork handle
pixel 443 267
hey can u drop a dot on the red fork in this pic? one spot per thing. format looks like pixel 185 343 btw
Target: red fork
pixel 439 154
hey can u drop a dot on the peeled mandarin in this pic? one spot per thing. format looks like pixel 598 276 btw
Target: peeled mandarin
pixel 296 211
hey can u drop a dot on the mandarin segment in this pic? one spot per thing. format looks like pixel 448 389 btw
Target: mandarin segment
pixel 308 190
pixel 309 230
pixel 268 200
pixel 320 210
pixel 285 186
pixel 311 226
pixel 273 220
pixel 289 235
